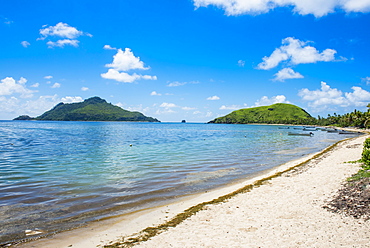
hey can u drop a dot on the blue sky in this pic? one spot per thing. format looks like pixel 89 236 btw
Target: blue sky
pixel 185 59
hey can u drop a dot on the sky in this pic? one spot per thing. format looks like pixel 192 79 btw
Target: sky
pixel 192 60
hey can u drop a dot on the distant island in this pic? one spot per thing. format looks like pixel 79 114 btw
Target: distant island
pixel 92 109
pixel 279 113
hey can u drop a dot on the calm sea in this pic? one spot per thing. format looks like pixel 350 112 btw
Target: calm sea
pixel 59 175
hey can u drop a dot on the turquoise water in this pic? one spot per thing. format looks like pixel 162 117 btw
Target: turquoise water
pixel 60 175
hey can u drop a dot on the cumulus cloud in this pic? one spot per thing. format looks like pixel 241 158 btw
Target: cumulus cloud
pixel 9 86
pixel 154 93
pixel 125 77
pixel 108 47
pixel 188 108
pixel 366 80
pixel 62 43
pixel 327 97
pixel 287 73
pixel 294 52
pixel 213 98
pixel 63 33
pixel 230 107
pixel 25 43
pixel 71 99
pixel 12 107
pixel 318 8
pixel 61 30
pixel 48 77
pixel 241 63
pixel 56 85
pixel 176 83
pixel 84 88
pixel 168 105
pixel 36 85
pixel 265 101
pixel 124 61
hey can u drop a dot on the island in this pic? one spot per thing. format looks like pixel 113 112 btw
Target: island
pixel 92 109
pixel 279 113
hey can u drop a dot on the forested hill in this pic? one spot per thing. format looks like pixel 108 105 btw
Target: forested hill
pixel 279 113
pixel 92 109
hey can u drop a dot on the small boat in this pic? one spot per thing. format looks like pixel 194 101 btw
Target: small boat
pixel 332 130
pixel 309 129
pixel 301 134
pixel 283 127
pixel 345 132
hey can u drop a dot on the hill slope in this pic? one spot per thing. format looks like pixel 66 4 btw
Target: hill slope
pixel 279 113
pixel 92 109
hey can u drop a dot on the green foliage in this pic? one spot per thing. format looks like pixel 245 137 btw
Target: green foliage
pixel 365 159
pixel 279 113
pixel 92 109
pixel 23 118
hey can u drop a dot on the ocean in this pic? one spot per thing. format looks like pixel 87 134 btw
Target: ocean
pixel 56 176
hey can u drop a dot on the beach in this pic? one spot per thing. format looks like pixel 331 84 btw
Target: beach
pixel 278 210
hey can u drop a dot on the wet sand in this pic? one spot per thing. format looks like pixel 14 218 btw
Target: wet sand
pixel 284 211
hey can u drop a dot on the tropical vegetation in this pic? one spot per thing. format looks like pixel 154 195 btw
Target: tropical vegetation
pixel 281 113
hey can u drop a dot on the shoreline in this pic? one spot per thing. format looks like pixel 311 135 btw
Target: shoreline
pixel 101 233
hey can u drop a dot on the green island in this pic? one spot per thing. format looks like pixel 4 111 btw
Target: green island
pixel 279 113
pixel 282 113
pixel 92 109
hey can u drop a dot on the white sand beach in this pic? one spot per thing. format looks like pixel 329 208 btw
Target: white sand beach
pixel 285 211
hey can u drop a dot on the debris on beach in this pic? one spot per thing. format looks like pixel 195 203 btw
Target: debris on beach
pixel 33 232
pixel 352 200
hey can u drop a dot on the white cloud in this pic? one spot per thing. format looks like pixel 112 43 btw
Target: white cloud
pixel 61 30
pixel 287 73
pixel 241 63
pixel 108 47
pixel 296 52
pixel 317 8
pixel 265 101
pixel 35 85
pixel 230 107
pixel 358 97
pixel 125 77
pixel 65 35
pixel 366 80
pixel 209 114
pixel 213 98
pixel 48 77
pixel 62 43
pixel 154 93
pixel 12 107
pixel 125 61
pixel 9 86
pixel 84 88
pixel 25 43
pixel 22 80
pixel 56 85
pixel 188 108
pixel 176 83
pixel 168 105
pixel 326 97
pixel 71 99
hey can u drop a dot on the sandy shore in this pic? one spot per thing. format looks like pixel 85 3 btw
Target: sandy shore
pixel 285 211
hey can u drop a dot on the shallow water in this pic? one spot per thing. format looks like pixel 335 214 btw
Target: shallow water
pixel 60 175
